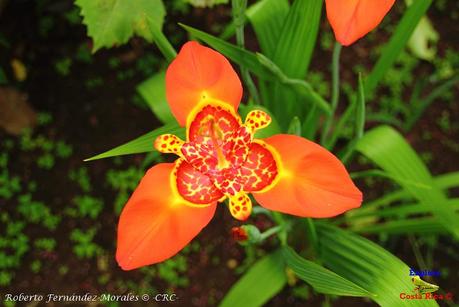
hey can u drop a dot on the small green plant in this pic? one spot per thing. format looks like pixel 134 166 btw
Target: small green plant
pixel 45 244
pixel 46 161
pixel 88 206
pixel 172 271
pixel 37 212
pixel 63 150
pixel 84 247
pixel 81 177
pixel 63 66
pixel 36 266
pixel 44 118
pixel 83 54
pixel 5 278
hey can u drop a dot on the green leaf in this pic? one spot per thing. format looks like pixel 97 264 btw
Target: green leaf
pixel 300 87
pixel 359 119
pixel 447 181
pixel 423 41
pixel 396 43
pixel 419 225
pixel 293 55
pixel 389 150
pixel 375 207
pixel 264 280
pixel 260 65
pixel 402 210
pixel 320 278
pixel 141 144
pixel 298 38
pixel 206 3
pixel 368 265
pixel 295 126
pixel 420 105
pixel 267 18
pixel 360 110
pixel 240 56
pixel 153 90
pixel 114 22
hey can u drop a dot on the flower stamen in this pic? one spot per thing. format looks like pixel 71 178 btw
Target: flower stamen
pixel 169 143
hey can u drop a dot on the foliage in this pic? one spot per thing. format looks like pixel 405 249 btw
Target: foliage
pixel 113 22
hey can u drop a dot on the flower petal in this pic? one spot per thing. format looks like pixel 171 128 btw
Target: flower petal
pixel 199 73
pixel 195 186
pixel 312 182
pixel 259 169
pixel 156 223
pixel 353 19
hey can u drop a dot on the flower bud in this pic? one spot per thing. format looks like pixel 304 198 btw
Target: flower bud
pixel 246 234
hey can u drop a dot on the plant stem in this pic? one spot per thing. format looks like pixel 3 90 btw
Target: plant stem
pixel 417 252
pixel 163 44
pixel 312 235
pixel 271 231
pixel 239 7
pixel 335 91
pixel 280 220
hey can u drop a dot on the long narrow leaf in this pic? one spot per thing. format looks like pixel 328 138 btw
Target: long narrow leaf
pixel 420 225
pixel 153 90
pixel 389 150
pixel 298 37
pixel 293 54
pixel 397 43
pixel 368 265
pixel 264 280
pixel 141 144
pixel 301 87
pixel 320 278
pixel 267 18
pixel 241 56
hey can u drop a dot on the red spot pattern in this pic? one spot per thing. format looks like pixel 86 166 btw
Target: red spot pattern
pixel 195 186
pixel 220 149
pixel 259 169
pixel 199 128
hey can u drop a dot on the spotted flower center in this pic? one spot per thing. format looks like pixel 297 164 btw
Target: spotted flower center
pixel 220 158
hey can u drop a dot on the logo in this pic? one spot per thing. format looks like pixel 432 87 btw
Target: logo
pixel 422 273
pixel 423 287
pixel 424 291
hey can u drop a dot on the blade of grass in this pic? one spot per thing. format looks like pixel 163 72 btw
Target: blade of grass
pixel 359 121
pixel 367 265
pixel 320 278
pixel 239 7
pixel 267 18
pixel 420 225
pixel 240 56
pixel 293 55
pixel 141 144
pixel 421 106
pixel 389 150
pixel 301 87
pixel 335 92
pixel 153 91
pixel 261 282
pixel 396 43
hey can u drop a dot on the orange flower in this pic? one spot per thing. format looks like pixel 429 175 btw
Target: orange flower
pixel 353 19
pixel 219 160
